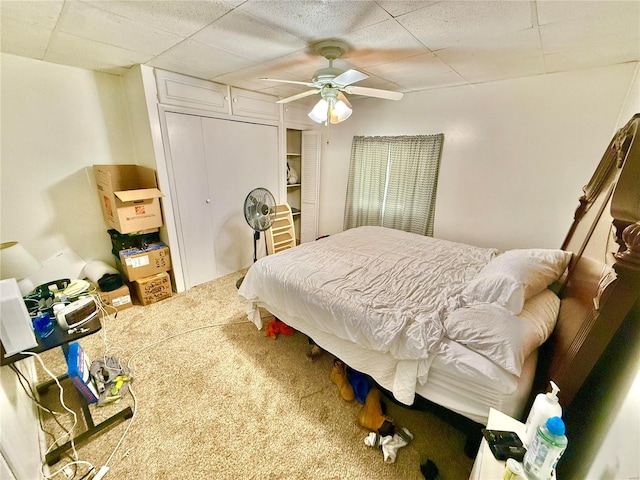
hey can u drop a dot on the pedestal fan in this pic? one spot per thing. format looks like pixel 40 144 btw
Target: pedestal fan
pixel 259 211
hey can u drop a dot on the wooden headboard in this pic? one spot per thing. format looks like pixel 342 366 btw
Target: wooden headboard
pixel 603 280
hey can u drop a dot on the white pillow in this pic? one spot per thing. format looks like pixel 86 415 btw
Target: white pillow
pixel 516 275
pixel 499 335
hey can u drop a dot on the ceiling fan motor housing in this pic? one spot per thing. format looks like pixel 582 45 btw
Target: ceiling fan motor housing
pixel 325 75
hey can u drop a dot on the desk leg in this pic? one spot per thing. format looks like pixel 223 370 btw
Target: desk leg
pixel 92 429
pixel 55 455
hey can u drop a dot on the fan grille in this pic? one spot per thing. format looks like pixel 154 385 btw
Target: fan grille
pixel 259 209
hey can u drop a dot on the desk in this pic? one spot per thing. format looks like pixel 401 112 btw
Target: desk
pixel 60 338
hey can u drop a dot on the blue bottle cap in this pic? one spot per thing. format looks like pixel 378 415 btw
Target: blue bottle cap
pixel 555 425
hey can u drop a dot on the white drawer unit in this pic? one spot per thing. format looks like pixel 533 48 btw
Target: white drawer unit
pixel 246 103
pixel 183 91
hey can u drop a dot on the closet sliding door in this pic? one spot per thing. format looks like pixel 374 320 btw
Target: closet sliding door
pixel 191 198
pixel 213 164
pixel 240 157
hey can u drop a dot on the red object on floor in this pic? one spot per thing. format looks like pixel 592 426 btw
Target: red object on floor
pixel 274 327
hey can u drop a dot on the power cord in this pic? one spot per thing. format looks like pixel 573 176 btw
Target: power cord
pixel 69 433
pixel 105 468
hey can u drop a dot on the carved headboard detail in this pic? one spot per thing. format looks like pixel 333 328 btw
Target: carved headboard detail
pixel 603 281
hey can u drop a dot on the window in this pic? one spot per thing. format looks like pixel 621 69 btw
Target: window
pixel 392 182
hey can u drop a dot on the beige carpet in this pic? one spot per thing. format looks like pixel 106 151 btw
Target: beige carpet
pixel 216 398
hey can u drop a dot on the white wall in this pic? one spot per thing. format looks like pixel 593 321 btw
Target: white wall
pixel 57 122
pixel 515 158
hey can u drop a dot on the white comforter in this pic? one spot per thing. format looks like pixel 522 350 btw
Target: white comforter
pixel 382 289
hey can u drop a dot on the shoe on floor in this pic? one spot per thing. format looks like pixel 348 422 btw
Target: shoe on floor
pixel 339 377
pixel 371 417
pixel 314 353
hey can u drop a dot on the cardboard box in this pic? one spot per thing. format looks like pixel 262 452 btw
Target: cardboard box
pixel 153 289
pixel 120 298
pixel 129 197
pixel 135 263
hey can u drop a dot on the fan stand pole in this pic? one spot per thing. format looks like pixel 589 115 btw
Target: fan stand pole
pixel 256 237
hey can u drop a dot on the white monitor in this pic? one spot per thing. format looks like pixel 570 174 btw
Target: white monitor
pixel 16 328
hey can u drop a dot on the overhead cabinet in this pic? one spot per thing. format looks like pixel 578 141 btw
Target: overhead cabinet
pixel 246 103
pixel 175 89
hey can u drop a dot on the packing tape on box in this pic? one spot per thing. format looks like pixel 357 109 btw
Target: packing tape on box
pixel 96 269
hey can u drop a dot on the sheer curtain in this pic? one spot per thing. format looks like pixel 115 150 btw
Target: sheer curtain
pixel 393 182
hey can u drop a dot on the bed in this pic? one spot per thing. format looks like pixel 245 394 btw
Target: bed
pixel 462 327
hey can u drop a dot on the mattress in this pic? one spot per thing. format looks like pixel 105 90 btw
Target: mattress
pixel 384 302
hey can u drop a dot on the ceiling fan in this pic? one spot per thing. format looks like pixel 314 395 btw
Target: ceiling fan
pixel 332 84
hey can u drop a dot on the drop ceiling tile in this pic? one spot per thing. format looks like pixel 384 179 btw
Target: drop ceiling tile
pixel 398 7
pixel 284 91
pixel 445 24
pixel 603 54
pixel 83 20
pixel 80 52
pixel 183 18
pixel 198 60
pixel 248 37
pixel 23 39
pixel 42 14
pixel 592 28
pixel 418 72
pixel 250 77
pixel 381 43
pixel 507 55
pixel 316 20
pixel 302 64
pixel 590 11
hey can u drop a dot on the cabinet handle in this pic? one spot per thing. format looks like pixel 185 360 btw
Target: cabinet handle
pixel 235 100
pixel 226 98
pixel 208 200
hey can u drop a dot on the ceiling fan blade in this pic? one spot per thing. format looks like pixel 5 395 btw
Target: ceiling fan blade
pixel 374 92
pixel 343 97
pixel 300 95
pixel 307 84
pixel 349 77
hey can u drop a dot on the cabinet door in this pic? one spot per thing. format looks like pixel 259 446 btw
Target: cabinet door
pixel 240 157
pixel 246 103
pixel 176 89
pixel 310 186
pixel 191 197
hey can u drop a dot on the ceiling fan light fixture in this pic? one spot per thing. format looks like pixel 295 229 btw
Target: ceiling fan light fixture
pixel 340 112
pixel 319 112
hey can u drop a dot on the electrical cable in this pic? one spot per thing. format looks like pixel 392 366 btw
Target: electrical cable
pixel 69 433
pixel 146 347
pixel 31 394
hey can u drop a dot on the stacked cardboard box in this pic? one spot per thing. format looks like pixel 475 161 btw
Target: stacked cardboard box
pixel 147 269
pixel 120 298
pixel 130 202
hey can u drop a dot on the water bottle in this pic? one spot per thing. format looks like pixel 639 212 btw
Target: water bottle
pixel 546 449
